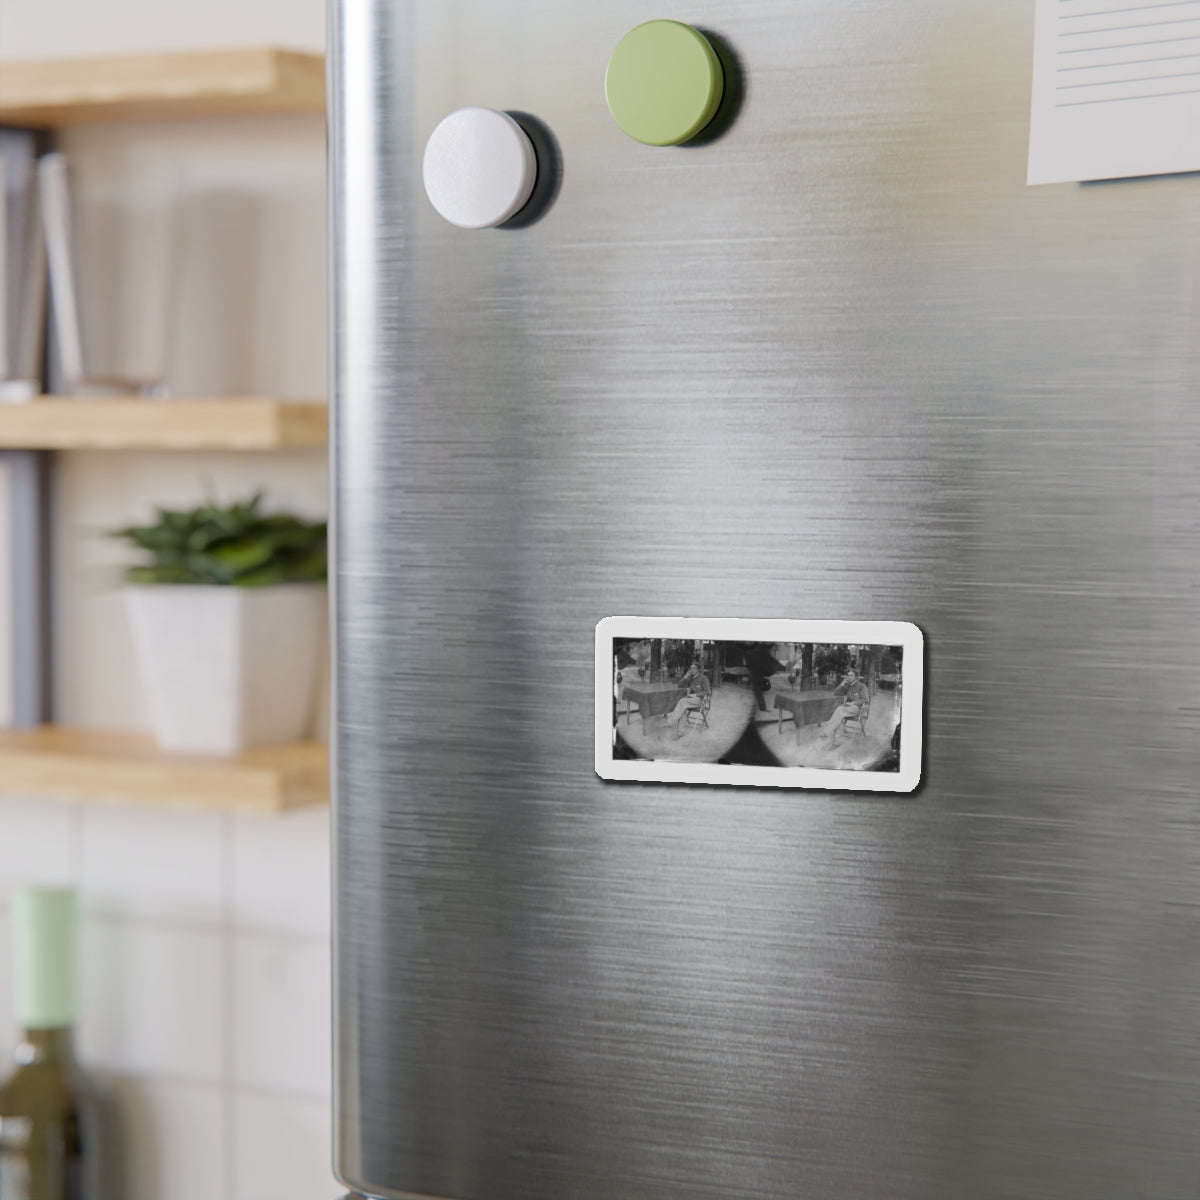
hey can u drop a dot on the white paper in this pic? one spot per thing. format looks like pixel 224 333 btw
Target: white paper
pixel 1116 89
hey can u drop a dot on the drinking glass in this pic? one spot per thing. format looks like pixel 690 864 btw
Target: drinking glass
pixel 112 233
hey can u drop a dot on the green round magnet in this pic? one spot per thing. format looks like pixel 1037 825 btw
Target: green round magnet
pixel 664 83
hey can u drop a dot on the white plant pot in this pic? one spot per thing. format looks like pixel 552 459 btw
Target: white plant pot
pixel 227 668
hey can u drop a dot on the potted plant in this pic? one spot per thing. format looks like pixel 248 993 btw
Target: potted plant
pixel 228 622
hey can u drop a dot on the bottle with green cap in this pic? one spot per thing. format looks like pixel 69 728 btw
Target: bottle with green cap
pixel 44 1151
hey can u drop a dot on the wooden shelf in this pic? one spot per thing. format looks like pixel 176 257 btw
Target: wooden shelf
pixel 229 423
pixel 76 764
pixel 216 83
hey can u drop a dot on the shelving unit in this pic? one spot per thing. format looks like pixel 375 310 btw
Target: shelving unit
pixel 43 759
pixel 78 764
pixel 227 423
pixel 218 83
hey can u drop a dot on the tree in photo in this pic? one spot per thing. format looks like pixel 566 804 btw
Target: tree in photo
pixel 831 658
pixel 678 654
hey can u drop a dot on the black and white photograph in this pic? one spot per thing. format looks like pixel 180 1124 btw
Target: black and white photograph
pixel 822 704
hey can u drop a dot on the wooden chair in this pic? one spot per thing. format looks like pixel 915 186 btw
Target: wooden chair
pixel 698 717
pixel 858 724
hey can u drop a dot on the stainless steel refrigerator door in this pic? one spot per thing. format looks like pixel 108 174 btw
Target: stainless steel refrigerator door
pixel 838 363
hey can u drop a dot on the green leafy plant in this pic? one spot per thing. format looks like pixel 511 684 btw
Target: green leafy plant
pixel 238 546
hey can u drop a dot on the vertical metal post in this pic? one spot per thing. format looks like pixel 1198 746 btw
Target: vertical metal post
pixel 29 563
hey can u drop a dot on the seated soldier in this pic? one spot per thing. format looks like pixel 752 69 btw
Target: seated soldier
pixel 697 688
pixel 855 695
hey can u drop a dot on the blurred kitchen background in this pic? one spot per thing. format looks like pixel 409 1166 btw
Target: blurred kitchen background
pixel 205 946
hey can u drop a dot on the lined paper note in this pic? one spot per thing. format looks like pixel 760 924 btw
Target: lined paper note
pixel 1116 89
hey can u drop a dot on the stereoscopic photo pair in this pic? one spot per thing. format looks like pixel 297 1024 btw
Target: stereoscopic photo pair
pixel 811 704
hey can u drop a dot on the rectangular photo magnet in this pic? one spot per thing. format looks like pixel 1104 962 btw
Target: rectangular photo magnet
pixel 832 705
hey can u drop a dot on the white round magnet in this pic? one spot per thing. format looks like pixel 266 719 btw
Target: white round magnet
pixel 479 168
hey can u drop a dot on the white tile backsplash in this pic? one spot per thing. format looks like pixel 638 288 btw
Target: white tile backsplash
pixel 171 1142
pixel 38 840
pixel 154 864
pixel 205 978
pixel 281 1021
pixel 282 1150
pixel 281 872
pixel 8 1016
pixel 154 1000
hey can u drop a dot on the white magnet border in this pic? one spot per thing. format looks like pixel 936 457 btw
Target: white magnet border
pixel 738 629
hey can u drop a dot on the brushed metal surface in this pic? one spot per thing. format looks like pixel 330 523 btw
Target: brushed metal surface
pixel 838 363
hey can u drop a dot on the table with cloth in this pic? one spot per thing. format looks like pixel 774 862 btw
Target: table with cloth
pixel 652 699
pixel 807 708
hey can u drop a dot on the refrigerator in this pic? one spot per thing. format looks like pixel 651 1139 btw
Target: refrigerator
pixel 830 359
